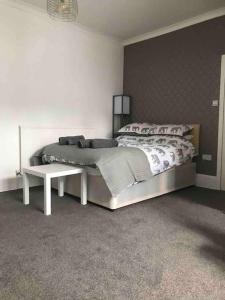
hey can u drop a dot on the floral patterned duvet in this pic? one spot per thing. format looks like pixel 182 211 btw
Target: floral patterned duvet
pixel 163 151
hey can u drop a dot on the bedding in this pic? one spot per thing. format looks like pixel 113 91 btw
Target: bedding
pixel 188 137
pixel 136 159
pixel 120 167
pixel 169 129
pixel 136 128
pixel 163 152
pixel 155 129
pixel 98 143
pixel 70 140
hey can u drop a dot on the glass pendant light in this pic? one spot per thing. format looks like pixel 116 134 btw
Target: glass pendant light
pixel 64 10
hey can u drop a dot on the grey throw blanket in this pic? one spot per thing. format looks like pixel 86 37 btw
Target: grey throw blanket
pixel 120 167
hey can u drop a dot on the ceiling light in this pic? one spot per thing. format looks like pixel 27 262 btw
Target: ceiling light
pixel 64 10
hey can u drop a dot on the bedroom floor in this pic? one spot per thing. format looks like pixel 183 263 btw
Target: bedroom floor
pixel 171 247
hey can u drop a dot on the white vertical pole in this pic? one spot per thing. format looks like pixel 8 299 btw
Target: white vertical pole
pixel 84 187
pixel 26 195
pixel 47 195
pixel 61 181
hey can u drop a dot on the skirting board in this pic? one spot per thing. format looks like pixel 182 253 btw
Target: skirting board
pixel 16 183
pixel 207 181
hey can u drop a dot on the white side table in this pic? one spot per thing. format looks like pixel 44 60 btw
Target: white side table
pixel 47 172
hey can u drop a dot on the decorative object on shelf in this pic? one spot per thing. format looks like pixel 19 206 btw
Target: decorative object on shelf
pixel 64 10
pixel 121 112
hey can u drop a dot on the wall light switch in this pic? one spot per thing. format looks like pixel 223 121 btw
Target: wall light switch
pixel 206 157
pixel 215 103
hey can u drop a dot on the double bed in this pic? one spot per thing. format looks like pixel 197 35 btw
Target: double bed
pixel 166 176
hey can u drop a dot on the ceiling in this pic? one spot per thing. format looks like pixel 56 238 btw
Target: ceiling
pixel 128 18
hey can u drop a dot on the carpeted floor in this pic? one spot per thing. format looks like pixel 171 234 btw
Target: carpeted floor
pixel 171 247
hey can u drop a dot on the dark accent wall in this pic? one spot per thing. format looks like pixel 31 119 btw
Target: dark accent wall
pixel 173 78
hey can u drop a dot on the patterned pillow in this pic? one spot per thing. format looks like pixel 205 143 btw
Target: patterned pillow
pixel 170 129
pixel 136 128
pixel 145 128
pixel 155 129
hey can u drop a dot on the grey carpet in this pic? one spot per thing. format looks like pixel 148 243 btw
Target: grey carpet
pixel 171 247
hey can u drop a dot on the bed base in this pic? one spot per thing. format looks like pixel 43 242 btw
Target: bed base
pixel 171 180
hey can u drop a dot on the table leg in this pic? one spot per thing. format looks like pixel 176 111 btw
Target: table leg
pixel 26 195
pixel 61 181
pixel 84 188
pixel 47 196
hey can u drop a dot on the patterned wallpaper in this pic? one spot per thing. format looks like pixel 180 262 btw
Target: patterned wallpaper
pixel 173 78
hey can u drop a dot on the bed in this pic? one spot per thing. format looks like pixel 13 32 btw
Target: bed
pixel 172 179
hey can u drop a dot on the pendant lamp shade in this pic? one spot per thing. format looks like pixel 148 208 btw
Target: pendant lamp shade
pixel 64 10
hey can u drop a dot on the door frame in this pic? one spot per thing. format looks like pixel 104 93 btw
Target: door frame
pixel 221 130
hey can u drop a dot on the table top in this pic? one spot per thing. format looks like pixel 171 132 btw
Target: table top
pixel 54 170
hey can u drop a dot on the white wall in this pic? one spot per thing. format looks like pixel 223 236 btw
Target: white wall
pixel 51 74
